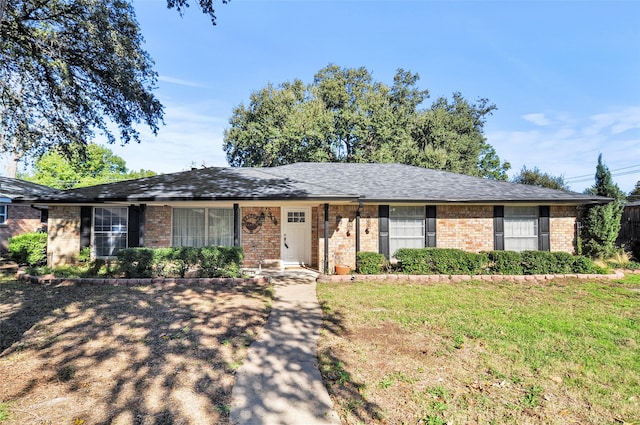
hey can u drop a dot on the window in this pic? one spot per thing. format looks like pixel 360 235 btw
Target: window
pixel 406 228
pixel 520 228
pixel 198 227
pixel 295 217
pixel 109 230
pixel 220 226
pixel 3 214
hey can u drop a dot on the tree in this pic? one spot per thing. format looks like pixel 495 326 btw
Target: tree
pixel 450 137
pixel 535 177
pixel 95 165
pixel 634 195
pixel 69 68
pixel 346 116
pixel 602 222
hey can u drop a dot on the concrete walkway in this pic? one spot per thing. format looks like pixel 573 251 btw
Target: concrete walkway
pixel 279 381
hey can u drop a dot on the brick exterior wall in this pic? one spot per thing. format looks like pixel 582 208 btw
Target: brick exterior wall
pixel 20 219
pixel 264 244
pixel 562 227
pixel 465 227
pixel 63 243
pixel 157 227
pixel 317 229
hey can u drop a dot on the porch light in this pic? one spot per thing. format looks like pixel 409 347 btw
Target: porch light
pixel 270 215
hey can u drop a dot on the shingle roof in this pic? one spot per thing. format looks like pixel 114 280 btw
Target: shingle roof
pixel 20 189
pixel 320 181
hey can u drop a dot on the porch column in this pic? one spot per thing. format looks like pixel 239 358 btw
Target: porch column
pixel 236 225
pixel 326 239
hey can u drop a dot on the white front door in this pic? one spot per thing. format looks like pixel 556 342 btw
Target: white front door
pixel 296 235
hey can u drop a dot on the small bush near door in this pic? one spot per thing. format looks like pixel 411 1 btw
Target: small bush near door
pixel 29 248
pixel 370 262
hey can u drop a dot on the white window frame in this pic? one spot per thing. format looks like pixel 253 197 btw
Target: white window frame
pixel 115 232
pixel 210 236
pixel 521 230
pixel 407 227
pixel 4 210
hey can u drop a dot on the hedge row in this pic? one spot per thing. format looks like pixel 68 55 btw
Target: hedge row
pixel 210 261
pixel 458 262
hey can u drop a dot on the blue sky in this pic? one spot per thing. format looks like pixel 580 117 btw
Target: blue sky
pixel 565 75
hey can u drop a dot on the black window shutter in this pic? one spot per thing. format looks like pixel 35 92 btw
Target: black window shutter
pixel 133 233
pixel 544 228
pixel 430 240
pixel 383 230
pixel 85 226
pixel 498 228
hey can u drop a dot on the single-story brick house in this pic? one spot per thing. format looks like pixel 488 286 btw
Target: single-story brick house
pixel 18 218
pixel 316 214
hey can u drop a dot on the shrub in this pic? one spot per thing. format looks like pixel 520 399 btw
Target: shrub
pixel 584 265
pixel 440 261
pixel 537 262
pixel 136 262
pixel 505 262
pixel 84 256
pixel 370 262
pixel 563 263
pixel 29 248
pixel 178 259
pixel 220 261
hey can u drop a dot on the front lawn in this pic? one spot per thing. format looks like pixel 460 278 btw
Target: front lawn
pixel 479 352
pixel 120 354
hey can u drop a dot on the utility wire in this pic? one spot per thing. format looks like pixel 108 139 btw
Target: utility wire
pixel 581 177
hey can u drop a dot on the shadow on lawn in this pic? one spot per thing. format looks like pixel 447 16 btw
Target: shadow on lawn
pixel 346 393
pixel 159 354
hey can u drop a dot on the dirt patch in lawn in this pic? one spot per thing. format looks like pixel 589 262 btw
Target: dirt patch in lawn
pixel 119 354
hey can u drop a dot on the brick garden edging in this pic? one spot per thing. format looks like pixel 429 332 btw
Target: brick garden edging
pixel 51 279
pixel 464 278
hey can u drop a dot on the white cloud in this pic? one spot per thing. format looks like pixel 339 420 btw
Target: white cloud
pixel 616 122
pixel 179 81
pixel 569 146
pixel 537 119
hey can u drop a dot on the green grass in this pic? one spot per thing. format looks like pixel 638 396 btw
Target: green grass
pixel 585 332
pixel 4 411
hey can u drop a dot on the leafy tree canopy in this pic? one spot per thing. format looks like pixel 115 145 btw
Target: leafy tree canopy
pixel 346 116
pixel 535 177
pixel 69 68
pixel 95 165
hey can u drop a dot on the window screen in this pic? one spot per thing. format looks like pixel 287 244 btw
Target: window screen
pixel 406 227
pixel 520 228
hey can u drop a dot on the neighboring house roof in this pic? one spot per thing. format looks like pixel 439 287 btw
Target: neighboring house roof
pixel 319 181
pixel 632 204
pixel 16 189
